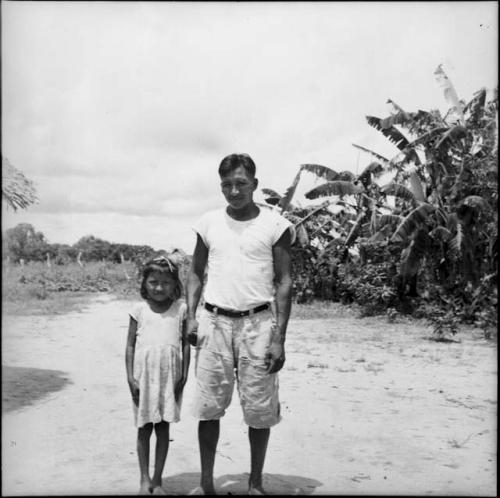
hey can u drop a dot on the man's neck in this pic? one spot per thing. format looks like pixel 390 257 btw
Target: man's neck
pixel 247 213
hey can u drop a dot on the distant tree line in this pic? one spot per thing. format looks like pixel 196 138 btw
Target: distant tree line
pixel 23 242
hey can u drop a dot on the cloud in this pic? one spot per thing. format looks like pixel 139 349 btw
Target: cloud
pixel 126 109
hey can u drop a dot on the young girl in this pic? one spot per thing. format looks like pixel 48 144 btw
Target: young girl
pixel 156 369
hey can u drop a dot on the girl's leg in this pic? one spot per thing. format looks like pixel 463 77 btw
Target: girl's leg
pixel 143 437
pixel 162 440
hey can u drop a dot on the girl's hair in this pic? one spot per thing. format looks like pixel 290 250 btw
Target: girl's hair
pixel 234 161
pixel 165 265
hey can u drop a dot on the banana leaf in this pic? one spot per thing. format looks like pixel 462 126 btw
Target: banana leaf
pixel 455 244
pixel 416 187
pixel 380 158
pixel 389 219
pixel 321 171
pixel 270 192
pixel 346 176
pixel 455 133
pixel 392 133
pixel 450 93
pixel 302 237
pixel 285 201
pixel 412 222
pixel 339 188
pixel 399 190
pixel 475 202
pixel 441 233
pixel 353 234
pixel 411 255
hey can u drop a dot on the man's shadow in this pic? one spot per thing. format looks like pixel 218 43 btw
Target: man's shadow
pixel 237 484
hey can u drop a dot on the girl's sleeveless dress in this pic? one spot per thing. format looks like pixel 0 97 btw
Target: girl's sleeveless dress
pixel 157 362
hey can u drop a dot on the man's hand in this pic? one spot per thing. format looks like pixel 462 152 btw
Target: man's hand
pixel 192 331
pixel 134 391
pixel 179 387
pixel 275 357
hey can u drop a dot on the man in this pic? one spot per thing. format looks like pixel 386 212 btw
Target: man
pixel 246 250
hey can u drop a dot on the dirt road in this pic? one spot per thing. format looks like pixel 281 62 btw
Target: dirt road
pixel 368 408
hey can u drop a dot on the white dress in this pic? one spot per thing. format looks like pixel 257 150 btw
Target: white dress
pixel 157 362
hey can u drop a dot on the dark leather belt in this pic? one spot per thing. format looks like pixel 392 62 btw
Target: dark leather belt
pixel 235 314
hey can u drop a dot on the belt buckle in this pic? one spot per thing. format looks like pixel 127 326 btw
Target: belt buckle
pixel 215 310
pixel 251 312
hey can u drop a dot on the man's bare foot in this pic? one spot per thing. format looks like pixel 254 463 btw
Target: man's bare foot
pixel 158 490
pixel 146 488
pixel 200 491
pixel 255 488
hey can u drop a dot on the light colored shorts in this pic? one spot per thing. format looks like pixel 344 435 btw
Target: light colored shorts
pixel 235 348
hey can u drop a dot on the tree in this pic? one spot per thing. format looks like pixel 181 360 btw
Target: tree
pixel 23 242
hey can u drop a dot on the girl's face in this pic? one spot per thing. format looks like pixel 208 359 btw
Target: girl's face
pixel 160 286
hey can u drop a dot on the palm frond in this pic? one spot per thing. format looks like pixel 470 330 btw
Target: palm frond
pixel 17 190
pixel 339 188
pixel 321 171
pixel 412 221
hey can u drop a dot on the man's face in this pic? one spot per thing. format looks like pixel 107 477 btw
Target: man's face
pixel 238 188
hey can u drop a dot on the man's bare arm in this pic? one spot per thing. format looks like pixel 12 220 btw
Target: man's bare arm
pixel 283 283
pixel 194 287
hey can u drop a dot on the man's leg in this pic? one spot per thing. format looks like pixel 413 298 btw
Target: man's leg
pixel 208 437
pixel 258 446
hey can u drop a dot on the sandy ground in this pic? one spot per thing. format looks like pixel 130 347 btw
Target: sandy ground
pixel 369 408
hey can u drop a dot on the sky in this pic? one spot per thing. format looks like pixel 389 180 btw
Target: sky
pixel 120 112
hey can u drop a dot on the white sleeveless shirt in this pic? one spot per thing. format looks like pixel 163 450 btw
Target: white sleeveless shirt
pixel 240 259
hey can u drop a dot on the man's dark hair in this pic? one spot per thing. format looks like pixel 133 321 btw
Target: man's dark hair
pixel 234 161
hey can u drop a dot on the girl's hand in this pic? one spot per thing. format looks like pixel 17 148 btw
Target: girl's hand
pixel 179 387
pixel 134 391
pixel 192 331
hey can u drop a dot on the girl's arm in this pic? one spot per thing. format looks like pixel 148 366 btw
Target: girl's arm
pixel 186 358
pixel 129 360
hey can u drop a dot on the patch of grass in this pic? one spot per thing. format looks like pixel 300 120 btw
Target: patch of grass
pixel 54 304
pixel 23 386
pixel 36 288
pixel 318 310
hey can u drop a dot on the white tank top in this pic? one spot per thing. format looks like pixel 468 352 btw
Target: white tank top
pixel 240 259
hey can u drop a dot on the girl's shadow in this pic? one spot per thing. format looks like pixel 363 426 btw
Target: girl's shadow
pixel 237 484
